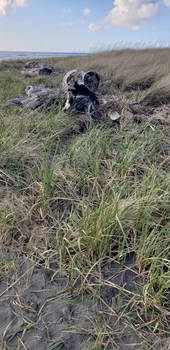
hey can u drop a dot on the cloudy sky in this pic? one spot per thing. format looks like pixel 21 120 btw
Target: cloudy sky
pixel 83 25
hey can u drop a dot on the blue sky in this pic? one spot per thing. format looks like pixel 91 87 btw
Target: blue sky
pixel 82 25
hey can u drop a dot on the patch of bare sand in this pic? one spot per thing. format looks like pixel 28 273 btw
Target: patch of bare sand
pixel 40 309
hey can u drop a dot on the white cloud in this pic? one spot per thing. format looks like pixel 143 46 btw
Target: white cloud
pixel 7 5
pixel 4 7
pixel 167 2
pixel 65 24
pixel 21 3
pixel 86 11
pixel 94 27
pixel 132 13
pixel 129 13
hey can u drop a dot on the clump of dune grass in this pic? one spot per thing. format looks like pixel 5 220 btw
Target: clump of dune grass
pixel 159 93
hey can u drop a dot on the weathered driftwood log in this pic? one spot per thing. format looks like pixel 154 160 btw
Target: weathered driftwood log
pixel 38 98
pixel 35 68
pixel 79 91
pixel 78 95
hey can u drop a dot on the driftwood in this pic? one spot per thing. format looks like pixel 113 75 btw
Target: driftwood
pixel 37 98
pixel 78 94
pixel 35 68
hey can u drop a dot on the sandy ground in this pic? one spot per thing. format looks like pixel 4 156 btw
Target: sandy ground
pixel 40 310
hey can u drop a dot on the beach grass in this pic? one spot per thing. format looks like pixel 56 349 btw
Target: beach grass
pixel 92 193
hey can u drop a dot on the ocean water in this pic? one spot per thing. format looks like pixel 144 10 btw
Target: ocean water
pixel 24 55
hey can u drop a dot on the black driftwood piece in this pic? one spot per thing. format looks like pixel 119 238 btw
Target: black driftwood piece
pixel 80 95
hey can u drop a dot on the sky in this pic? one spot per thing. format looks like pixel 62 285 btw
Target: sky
pixel 83 25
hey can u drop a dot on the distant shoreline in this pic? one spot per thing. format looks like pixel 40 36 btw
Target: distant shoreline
pixel 22 55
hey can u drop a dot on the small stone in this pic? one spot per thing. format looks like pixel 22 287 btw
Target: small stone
pixel 113 115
